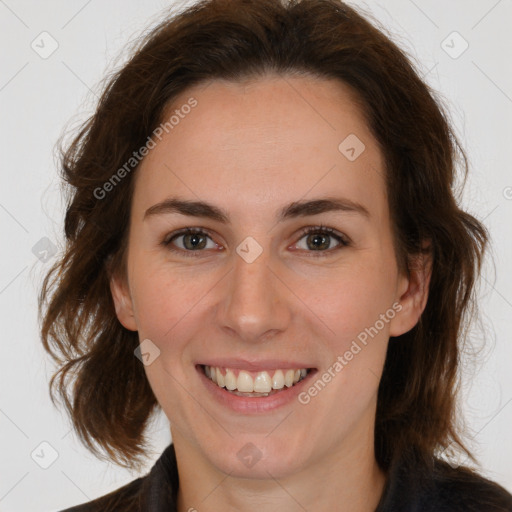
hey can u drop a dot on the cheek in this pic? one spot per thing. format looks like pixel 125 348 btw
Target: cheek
pixel 167 309
pixel 357 307
pixel 164 300
pixel 353 298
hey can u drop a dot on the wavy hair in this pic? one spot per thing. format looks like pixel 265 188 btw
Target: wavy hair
pixel 102 384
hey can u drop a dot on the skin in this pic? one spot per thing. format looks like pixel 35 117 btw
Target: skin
pixel 251 148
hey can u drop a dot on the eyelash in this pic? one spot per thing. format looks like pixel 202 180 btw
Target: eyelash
pixel 321 229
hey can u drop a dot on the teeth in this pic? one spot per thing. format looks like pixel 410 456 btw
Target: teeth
pixel 278 380
pixel 220 378
pixel 230 380
pixel 288 378
pixel 244 382
pixel 262 384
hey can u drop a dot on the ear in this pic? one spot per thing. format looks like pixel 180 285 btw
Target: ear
pixel 412 292
pixel 123 302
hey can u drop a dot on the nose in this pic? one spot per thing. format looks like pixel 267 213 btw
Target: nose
pixel 254 302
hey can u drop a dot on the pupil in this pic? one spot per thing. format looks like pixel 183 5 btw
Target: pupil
pixel 317 237
pixel 194 237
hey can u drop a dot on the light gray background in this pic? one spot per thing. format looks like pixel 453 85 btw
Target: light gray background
pixel 40 97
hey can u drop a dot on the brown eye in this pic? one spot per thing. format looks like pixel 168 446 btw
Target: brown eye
pixel 188 241
pixel 194 241
pixel 320 239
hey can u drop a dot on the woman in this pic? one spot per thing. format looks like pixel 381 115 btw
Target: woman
pixel 263 241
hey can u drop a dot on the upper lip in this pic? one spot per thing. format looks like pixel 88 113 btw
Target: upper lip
pixel 255 365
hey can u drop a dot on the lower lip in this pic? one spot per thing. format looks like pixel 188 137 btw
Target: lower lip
pixel 255 405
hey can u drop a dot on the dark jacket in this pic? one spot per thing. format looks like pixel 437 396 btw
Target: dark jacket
pixel 440 488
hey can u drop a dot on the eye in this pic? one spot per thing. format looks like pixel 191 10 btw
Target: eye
pixel 319 238
pixel 192 240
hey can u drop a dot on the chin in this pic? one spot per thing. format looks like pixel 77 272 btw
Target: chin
pixel 258 456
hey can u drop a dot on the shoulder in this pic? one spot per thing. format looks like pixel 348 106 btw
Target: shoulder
pixel 435 486
pixel 461 489
pixel 125 498
pixel 155 491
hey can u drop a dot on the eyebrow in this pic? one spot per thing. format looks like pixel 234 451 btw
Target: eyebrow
pixel 296 209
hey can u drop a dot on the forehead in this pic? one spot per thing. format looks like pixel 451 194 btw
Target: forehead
pixel 257 144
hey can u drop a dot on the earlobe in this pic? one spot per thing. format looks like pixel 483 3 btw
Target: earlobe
pixel 123 302
pixel 413 293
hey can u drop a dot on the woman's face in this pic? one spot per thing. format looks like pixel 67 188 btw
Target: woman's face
pixel 251 166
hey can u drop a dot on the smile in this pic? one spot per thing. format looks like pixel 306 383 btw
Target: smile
pixel 254 384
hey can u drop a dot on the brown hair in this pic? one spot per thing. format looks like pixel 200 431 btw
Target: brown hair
pixel 102 384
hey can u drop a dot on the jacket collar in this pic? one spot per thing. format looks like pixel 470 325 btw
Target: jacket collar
pixel 160 488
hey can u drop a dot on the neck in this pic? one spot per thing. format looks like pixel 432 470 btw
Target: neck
pixel 344 480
